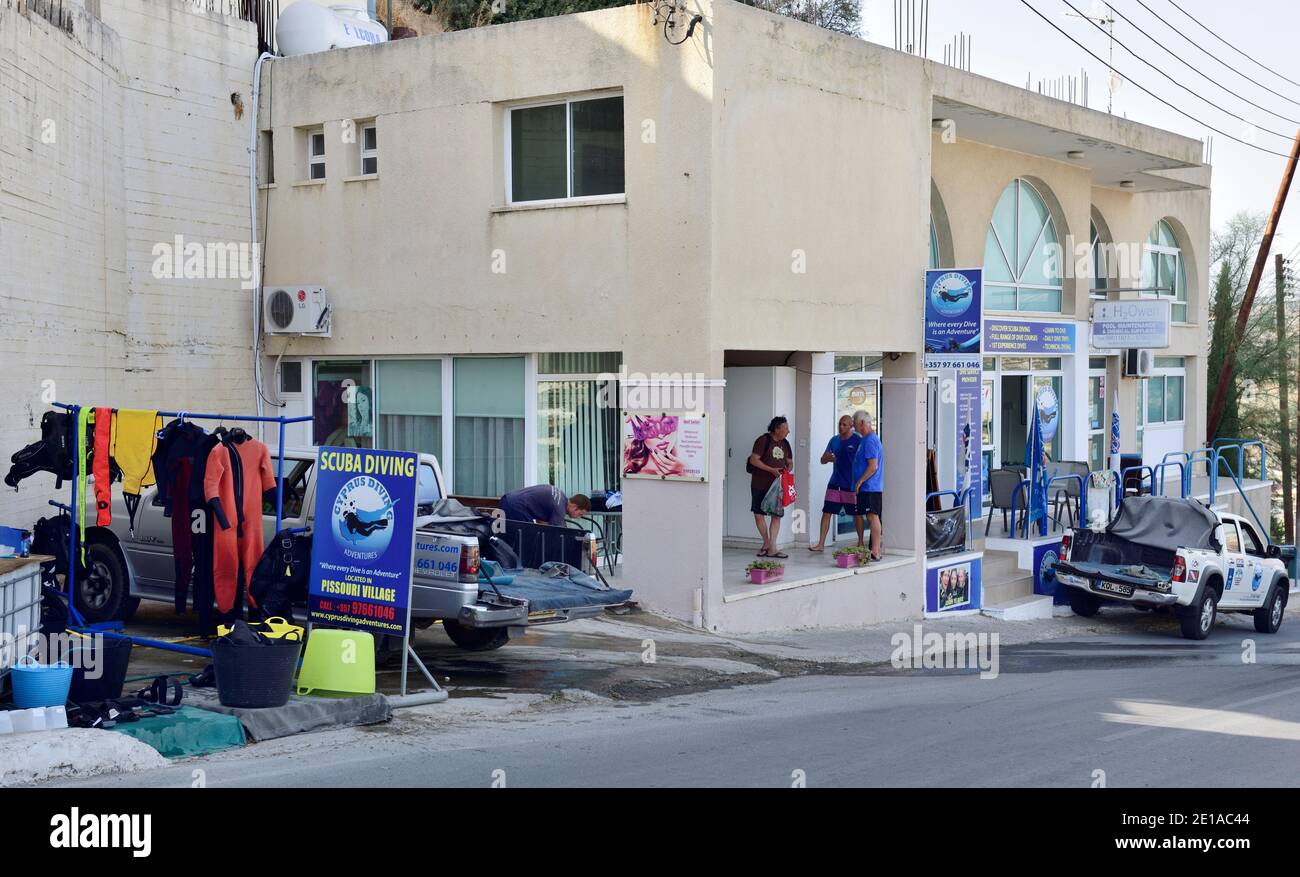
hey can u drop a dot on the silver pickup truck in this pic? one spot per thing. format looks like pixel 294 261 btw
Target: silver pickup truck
pixel 127 566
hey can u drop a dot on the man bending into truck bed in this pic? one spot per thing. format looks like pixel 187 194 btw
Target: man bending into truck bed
pixel 543 504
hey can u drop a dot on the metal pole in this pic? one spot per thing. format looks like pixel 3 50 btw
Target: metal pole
pixel 279 479
pixel 1256 274
pixel 1283 392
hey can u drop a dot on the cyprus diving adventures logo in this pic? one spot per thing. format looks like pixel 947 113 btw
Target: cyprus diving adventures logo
pixel 362 518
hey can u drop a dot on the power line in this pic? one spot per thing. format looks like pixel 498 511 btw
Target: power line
pixel 1181 60
pixel 1212 55
pixel 1147 90
pixel 1230 45
pixel 1286 137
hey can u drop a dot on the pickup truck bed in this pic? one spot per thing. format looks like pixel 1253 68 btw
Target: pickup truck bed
pixel 550 593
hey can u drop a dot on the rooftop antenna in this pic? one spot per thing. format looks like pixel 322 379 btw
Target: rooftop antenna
pixel 1101 14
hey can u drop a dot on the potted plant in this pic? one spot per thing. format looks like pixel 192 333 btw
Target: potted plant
pixel 763 571
pixel 847 558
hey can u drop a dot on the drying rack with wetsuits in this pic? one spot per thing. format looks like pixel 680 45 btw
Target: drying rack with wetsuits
pixel 113 629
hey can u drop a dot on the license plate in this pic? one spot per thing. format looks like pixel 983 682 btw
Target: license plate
pixel 1113 588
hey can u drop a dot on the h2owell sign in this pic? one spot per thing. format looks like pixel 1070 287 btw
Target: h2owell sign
pixel 364 539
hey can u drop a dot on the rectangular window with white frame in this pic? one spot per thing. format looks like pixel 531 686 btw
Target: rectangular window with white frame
pixel 369 142
pixel 316 154
pixel 565 150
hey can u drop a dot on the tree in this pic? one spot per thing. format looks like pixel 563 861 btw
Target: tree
pixel 1223 311
pixel 841 16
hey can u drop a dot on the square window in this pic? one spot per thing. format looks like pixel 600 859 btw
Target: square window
pixel 564 150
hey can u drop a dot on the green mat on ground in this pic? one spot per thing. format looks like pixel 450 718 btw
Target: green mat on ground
pixel 188 731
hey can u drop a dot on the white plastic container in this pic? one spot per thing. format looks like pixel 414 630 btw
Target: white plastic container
pixel 305 27
pixel 26 721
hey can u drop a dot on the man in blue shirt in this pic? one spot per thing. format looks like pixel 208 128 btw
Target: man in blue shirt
pixel 869 480
pixel 841 450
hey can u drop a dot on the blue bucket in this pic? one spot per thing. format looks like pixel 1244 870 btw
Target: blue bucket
pixel 38 685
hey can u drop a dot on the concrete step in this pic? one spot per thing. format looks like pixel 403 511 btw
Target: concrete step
pixel 1000 566
pixel 998 592
pixel 1029 608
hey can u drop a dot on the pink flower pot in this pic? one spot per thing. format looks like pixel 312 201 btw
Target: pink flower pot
pixel 763 576
pixel 847 561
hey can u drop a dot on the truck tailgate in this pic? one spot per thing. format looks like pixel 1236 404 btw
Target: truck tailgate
pixel 1121 574
pixel 549 593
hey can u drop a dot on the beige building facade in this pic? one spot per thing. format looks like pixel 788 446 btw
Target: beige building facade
pixel 736 224
pixel 779 194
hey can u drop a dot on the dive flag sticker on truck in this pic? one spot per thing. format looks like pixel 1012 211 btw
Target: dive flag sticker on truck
pixel 363 544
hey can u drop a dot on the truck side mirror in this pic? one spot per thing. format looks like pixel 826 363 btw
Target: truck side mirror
pixel 1274 551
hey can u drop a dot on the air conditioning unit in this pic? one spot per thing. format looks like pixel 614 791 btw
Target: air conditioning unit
pixel 296 310
pixel 1138 363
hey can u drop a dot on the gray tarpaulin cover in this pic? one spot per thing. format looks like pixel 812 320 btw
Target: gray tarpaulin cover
pixel 1165 522
pixel 299 714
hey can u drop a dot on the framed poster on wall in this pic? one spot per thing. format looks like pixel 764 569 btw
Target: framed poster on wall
pixel 857 394
pixel 666 447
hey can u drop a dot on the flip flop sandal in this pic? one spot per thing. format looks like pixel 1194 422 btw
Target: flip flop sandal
pixel 780 555
pixel 763 553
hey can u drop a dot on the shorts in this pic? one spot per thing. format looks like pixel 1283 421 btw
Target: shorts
pixel 839 502
pixel 756 495
pixel 871 502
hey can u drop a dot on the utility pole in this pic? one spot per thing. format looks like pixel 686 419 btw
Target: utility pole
pixel 1283 366
pixel 1243 315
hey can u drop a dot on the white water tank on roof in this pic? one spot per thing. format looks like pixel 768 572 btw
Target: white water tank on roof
pixel 305 27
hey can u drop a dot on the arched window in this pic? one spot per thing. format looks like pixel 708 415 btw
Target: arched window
pixel 1022 266
pixel 1163 273
pixel 1099 281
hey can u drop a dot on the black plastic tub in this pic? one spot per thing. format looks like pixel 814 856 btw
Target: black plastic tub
pixel 255 676
pixel 111 657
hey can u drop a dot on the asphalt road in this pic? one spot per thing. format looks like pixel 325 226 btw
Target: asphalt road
pixel 1141 705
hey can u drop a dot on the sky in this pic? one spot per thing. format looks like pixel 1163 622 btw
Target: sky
pixel 1012 44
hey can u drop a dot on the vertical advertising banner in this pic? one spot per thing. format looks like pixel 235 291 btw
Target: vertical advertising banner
pixel 363 542
pixel 969 440
pixel 953 317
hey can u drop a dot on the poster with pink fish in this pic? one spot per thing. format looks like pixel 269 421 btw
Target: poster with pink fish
pixel 666 447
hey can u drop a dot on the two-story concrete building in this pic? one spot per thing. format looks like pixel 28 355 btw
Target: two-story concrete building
pixel 740 222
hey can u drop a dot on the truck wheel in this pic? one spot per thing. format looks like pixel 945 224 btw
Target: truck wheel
pixel 1198 621
pixel 129 605
pixel 1083 603
pixel 475 639
pixel 100 592
pixel 1268 618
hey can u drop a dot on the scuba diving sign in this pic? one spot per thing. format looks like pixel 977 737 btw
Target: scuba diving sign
pixel 363 543
pixel 953 318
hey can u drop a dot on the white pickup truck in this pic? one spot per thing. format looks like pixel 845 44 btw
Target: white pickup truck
pixel 129 565
pixel 1178 555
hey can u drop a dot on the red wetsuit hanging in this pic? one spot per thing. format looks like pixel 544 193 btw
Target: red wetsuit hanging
pixel 219 482
pixel 103 478
pixel 255 466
